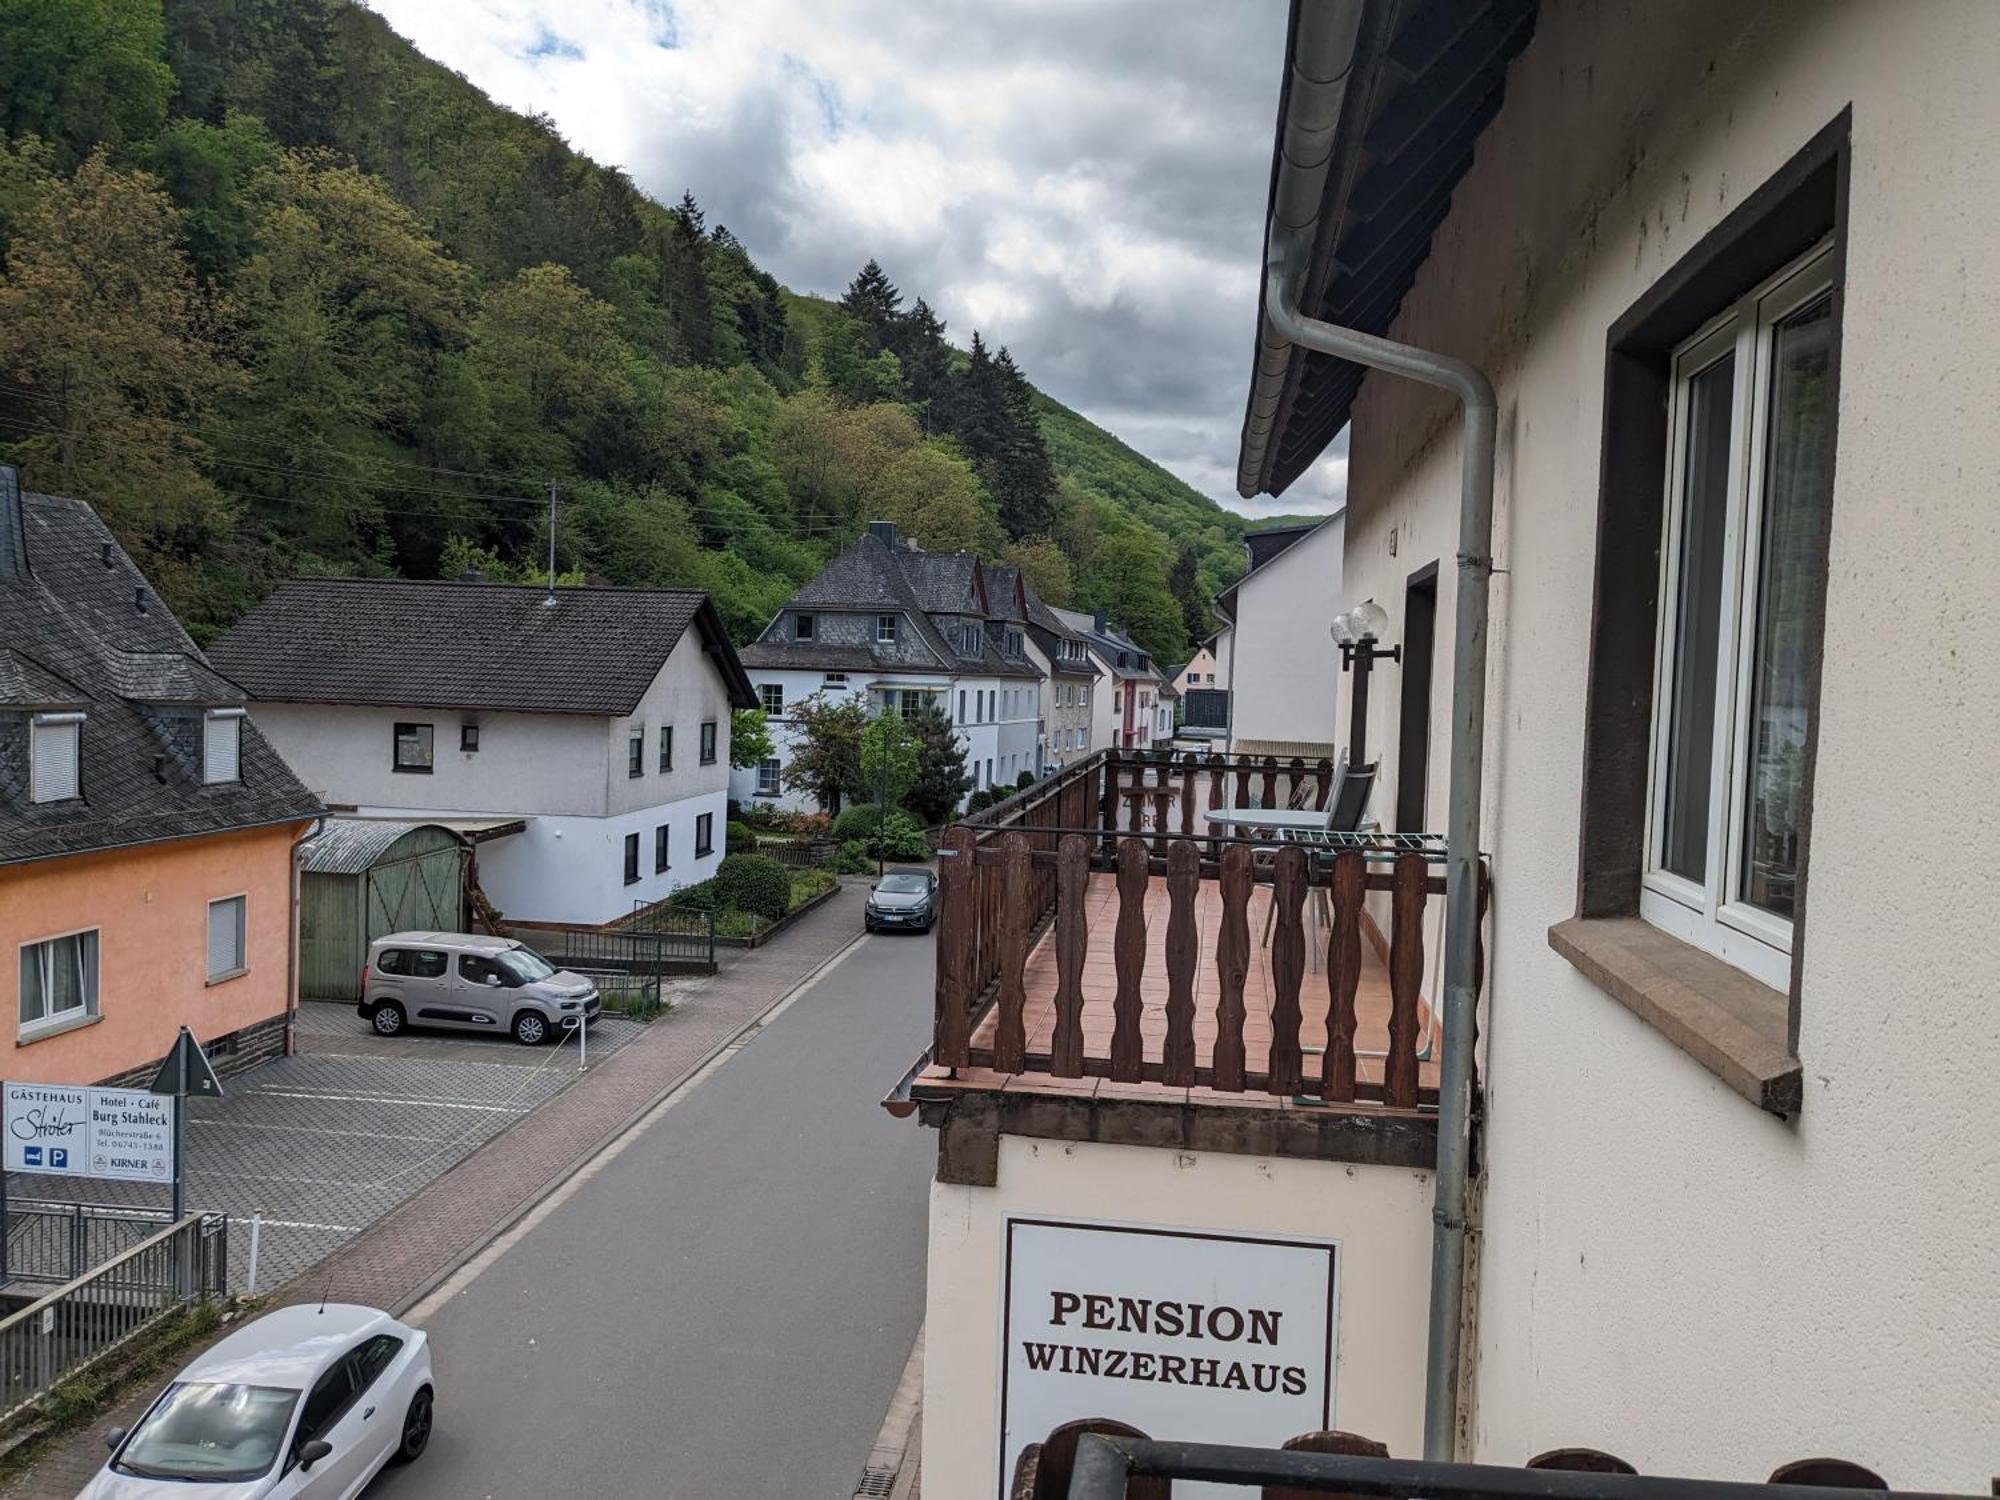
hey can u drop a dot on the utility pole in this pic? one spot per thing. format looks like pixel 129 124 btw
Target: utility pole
pixel 552 541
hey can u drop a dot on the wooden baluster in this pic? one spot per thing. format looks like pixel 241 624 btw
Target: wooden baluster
pixel 1010 1037
pixel 1288 968
pixel 1163 793
pixel 1232 966
pixel 1242 784
pixel 957 933
pixel 1135 800
pixel 1182 954
pixel 1269 797
pixel 1406 977
pixel 1187 794
pixel 1343 975
pixel 1216 792
pixel 1072 943
pixel 1128 1048
pixel 1295 783
pixel 1107 803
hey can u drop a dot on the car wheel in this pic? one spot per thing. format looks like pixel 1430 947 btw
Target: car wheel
pixel 416 1429
pixel 388 1019
pixel 531 1028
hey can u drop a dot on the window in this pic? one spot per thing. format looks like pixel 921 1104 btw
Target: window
pixel 227 956
pixel 834 679
pixel 1013 643
pixel 54 741
pixel 58 981
pixel 961 705
pixel 373 1357
pixel 704 834
pixel 413 748
pixel 329 1398
pixel 772 695
pixel 666 747
pixel 635 751
pixel 885 628
pixel 767 777
pixel 468 738
pixel 222 745
pixel 912 705
pixel 659 849
pixel 979 707
pixel 631 859
pixel 416 963
pixel 1750 436
pixel 475 968
pixel 802 627
pixel 708 742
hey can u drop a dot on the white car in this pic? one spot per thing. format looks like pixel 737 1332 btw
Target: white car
pixel 308 1401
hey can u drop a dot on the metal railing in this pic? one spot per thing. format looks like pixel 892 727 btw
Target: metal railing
pixel 1105 1465
pixel 656 939
pixel 51 1240
pixel 92 1315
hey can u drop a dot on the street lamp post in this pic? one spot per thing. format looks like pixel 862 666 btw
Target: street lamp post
pixel 1356 633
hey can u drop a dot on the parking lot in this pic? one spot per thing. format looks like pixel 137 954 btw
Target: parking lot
pixel 325 1142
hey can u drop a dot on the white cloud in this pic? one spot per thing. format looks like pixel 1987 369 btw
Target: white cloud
pixel 1084 183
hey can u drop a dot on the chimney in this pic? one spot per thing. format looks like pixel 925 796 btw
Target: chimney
pixel 13 526
pixel 139 599
pixel 883 532
pixel 1098 622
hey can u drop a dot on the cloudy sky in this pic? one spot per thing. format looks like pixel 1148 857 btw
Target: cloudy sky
pixel 1082 182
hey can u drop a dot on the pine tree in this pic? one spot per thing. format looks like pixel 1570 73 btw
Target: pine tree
pixel 871 300
pixel 941 776
pixel 1023 481
pixel 684 291
pixel 926 359
pixel 1184 583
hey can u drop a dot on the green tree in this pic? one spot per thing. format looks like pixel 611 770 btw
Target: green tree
pixel 1184 583
pixel 1128 580
pixel 749 738
pixel 934 498
pixel 941 778
pixel 80 72
pixel 1044 568
pixel 210 171
pixel 101 323
pixel 888 759
pixel 826 748
pixel 550 355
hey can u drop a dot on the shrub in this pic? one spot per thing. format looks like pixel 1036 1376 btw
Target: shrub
pixel 701 896
pixel 858 822
pixel 1026 778
pixel 753 883
pixel 806 884
pixel 902 837
pixel 739 838
pixel 853 859
pixel 807 827
pixel 979 801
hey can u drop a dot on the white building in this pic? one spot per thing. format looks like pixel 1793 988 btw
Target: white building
pixel 598 719
pixel 1069 677
pixel 1127 711
pixel 1280 672
pixel 1199 671
pixel 904 628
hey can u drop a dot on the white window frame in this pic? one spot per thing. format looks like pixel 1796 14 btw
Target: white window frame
pixel 213 723
pixel 68 726
pixel 769 776
pixel 241 901
pixel 1709 914
pixel 771 698
pixel 76 1015
pixel 885 630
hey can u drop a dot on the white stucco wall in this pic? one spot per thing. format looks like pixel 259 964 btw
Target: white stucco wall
pixel 687 692
pixel 1665 1271
pixel 1283 673
pixel 1380 1216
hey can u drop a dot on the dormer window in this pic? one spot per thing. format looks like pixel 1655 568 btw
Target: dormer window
pixel 54 743
pixel 885 629
pixel 802 627
pixel 222 745
pixel 1013 643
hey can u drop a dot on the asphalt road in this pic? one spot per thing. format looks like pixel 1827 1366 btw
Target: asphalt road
pixel 721 1312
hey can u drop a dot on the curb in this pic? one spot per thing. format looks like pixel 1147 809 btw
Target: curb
pixel 458 1262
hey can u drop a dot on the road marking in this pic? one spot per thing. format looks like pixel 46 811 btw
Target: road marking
pixel 359 1135
pixel 511 1109
pixel 303 1224
pixel 474 1268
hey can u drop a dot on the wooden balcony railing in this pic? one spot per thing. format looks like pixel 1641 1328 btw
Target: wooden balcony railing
pixel 1019 875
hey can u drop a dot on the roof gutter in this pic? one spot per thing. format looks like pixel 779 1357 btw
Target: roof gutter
pixel 1323 55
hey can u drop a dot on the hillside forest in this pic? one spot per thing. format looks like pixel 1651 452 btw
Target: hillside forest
pixel 280 296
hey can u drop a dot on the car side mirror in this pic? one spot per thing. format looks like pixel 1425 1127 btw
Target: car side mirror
pixel 113 1438
pixel 312 1451
pixel 493 980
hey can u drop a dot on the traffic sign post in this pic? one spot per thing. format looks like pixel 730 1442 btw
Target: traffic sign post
pixel 186 1071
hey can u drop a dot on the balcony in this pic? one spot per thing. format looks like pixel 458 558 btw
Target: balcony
pixel 1109 969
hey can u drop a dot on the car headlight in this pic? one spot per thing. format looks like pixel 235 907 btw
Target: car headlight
pixel 569 1005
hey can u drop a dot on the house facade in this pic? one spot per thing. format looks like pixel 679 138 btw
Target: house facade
pixel 1731 283
pixel 1199 671
pixel 1281 675
pixel 1128 712
pixel 1068 676
pixel 597 720
pixel 902 629
pixel 147 827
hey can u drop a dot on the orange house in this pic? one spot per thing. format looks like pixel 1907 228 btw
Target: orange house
pixel 146 828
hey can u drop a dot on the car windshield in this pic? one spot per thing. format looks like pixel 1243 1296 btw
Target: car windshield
pixel 903 885
pixel 209 1431
pixel 525 964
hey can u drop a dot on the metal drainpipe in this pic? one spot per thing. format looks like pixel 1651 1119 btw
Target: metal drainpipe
pixel 1468 726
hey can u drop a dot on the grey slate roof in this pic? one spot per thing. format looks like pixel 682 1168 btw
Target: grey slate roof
pixel 404 642
pixel 75 638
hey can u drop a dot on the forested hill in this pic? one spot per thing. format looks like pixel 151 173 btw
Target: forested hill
pixel 281 296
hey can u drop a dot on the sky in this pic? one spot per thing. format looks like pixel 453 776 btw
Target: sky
pixel 1083 181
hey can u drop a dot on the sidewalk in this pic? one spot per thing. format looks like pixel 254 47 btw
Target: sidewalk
pixel 396 1261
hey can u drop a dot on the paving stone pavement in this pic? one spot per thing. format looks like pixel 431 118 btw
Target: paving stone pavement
pixel 498 1174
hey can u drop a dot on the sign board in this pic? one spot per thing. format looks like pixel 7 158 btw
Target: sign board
pixel 1186 1335
pixel 186 1070
pixel 77 1132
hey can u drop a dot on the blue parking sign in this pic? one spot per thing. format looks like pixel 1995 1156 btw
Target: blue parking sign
pixel 58 1159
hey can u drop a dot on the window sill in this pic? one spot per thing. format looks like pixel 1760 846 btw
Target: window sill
pixel 1721 1017
pixel 224 978
pixel 41 1031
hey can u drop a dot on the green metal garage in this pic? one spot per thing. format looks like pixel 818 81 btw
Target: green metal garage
pixel 362 877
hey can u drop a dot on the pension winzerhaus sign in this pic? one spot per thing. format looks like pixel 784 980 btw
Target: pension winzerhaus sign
pixel 1201 1337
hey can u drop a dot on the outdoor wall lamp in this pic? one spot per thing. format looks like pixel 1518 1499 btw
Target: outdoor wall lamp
pixel 1356 632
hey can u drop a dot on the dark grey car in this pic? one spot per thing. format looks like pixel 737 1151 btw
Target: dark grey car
pixel 902 901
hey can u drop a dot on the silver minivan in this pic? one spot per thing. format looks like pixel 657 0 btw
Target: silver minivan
pixel 463 982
